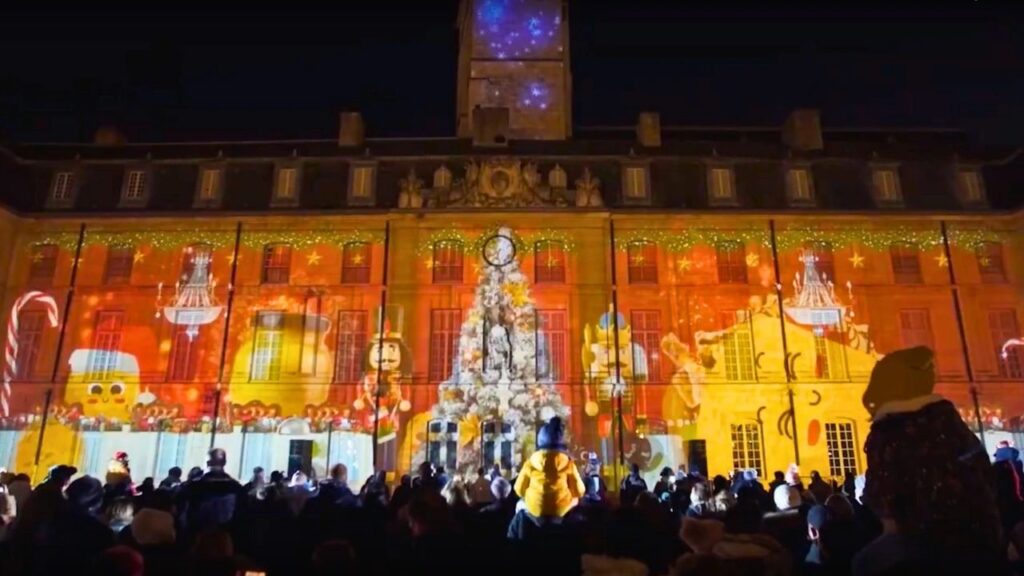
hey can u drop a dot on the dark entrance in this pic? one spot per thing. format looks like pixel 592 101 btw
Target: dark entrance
pixel 300 456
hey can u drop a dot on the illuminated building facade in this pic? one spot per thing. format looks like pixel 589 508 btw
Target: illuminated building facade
pixel 709 297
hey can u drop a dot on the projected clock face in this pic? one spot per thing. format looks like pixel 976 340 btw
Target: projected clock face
pixel 499 250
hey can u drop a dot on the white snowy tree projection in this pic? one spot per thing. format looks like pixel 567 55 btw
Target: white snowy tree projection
pixel 500 372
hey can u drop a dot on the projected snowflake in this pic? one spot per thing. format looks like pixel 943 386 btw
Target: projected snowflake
pixel 511 29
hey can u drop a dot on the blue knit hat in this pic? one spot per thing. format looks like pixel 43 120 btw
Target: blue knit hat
pixel 552 435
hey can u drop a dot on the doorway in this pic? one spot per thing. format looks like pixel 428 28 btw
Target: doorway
pixel 300 456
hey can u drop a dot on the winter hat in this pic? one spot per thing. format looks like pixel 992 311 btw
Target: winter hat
pixel 86 493
pixel 552 435
pixel 786 497
pixel 153 527
pixel 900 376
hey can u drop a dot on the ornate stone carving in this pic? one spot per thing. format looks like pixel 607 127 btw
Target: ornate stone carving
pixel 504 182
pixel 411 194
pixel 588 190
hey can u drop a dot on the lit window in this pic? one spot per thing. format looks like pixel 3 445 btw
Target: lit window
pixel 635 182
pixel 721 184
pixel 916 328
pixel 498 438
pixel 445 325
pixel 906 266
pixel 549 262
pixel 355 263
pixel 887 185
pixel 266 357
pixel 738 346
pixel 646 331
pixel 277 259
pixel 447 263
pixel 352 341
pixel 746 447
pixel 120 260
pixel 798 181
pixel 731 263
pixel 209 184
pixel 184 361
pixel 44 263
pixel 970 185
pixel 443 444
pixel 842 449
pixel 554 331
pixel 1003 326
pixel 106 346
pixel 63 186
pixel 286 183
pixel 642 260
pixel 135 189
pixel 990 262
pixel 192 256
pixel 30 340
pixel 362 182
pixel 824 259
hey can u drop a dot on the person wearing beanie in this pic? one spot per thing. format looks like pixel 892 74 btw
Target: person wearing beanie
pixel 928 478
pixel 786 525
pixel 549 482
pixel 151 527
pixel 212 500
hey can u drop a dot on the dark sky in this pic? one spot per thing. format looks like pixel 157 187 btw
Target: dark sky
pixel 229 75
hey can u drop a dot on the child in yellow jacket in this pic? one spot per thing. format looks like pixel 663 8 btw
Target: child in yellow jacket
pixel 549 483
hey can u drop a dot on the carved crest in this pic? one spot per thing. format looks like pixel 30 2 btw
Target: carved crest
pixel 504 182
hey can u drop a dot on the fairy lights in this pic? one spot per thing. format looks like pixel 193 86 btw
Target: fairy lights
pixel 683 240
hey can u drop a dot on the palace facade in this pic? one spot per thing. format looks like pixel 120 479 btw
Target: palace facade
pixel 709 297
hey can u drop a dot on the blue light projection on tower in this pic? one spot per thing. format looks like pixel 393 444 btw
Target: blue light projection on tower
pixel 518 29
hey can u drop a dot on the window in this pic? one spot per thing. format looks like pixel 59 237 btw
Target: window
pixel 821 364
pixel 642 260
pixel 362 182
pixel 824 259
pixel 63 188
pixel 1003 324
pixel 886 184
pixel 120 260
pixel 497 438
pixel 266 355
pixel 554 332
pixel 970 186
pixel 646 331
pixel 209 184
pixel 286 184
pixel 196 256
pixel 447 263
pixel 355 263
pixel 44 263
pixel 842 448
pixel 916 328
pixel 549 262
pixel 135 187
pixel 746 447
pixel 634 182
pixel 184 361
pixel 312 328
pixel 352 346
pixel 731 263
pixel 990 262
pixel 443 444
pixel 106 346
pixel 906 266
pixel 799 185
pixel 445 325
pixel 738 346
pixel 30 340
pixel 720 183
pixel 277 260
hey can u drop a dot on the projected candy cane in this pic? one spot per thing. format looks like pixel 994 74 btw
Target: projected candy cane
pixel 1010 343
pixel 11 349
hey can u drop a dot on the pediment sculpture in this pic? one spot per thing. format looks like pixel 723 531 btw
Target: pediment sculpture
pixel 501 183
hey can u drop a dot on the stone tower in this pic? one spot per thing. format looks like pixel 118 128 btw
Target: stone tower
pixel 514 54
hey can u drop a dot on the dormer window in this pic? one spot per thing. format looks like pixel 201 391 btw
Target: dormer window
pixel 442 178
pixel 210 185
pixel 286 185
pixel 799 185
pixel 721 186
pixel 970 186
pixel 63 187
pixel 636 184
pixel 135 189
pixel 362 182
pixel 886 185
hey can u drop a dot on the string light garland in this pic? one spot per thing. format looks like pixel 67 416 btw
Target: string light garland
pixel 875 239
pixel 63 240
pixel 307 239
pixel 161 239
pixel 684 240
pixel 474 241
pixel 974 239
pixel 175 239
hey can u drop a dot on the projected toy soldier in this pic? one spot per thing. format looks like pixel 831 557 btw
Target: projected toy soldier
pixel 389 357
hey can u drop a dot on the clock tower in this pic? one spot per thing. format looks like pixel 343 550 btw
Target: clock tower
pixel 514 54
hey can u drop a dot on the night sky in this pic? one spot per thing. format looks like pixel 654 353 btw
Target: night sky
pixel 263 75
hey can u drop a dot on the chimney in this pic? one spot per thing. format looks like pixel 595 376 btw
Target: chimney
pixel 490 126
pixel 109 136
pixel 802 130
pixel 352 131
pixel 648 129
